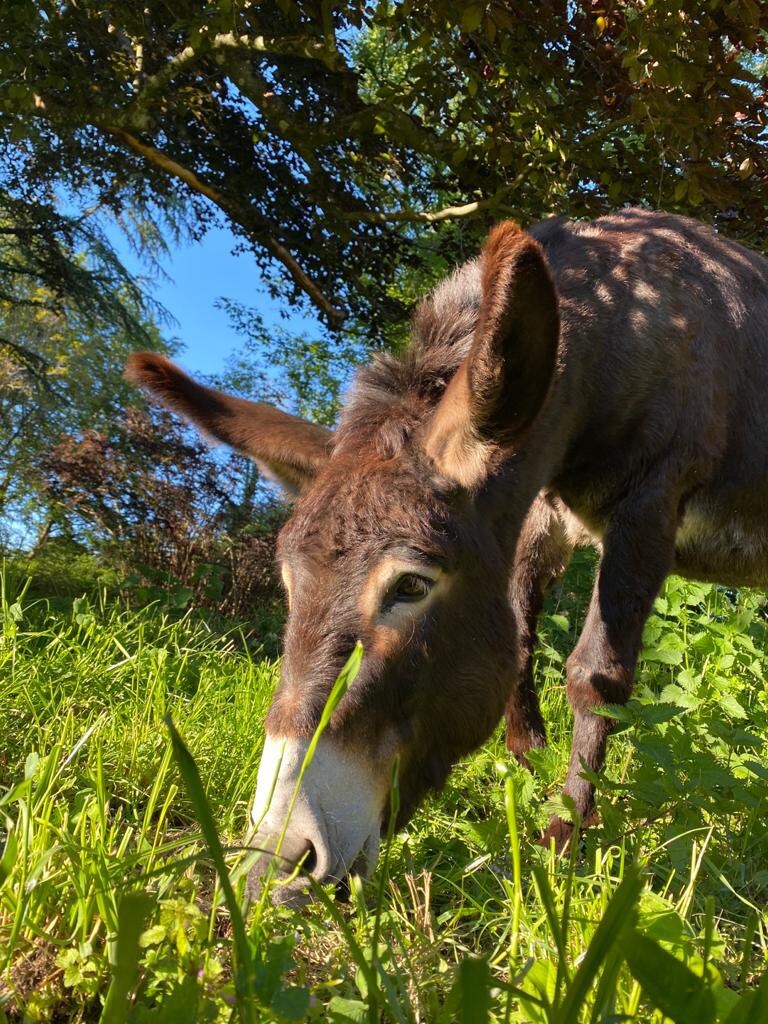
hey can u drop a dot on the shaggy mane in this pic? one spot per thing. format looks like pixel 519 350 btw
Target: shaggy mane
pixel 391 396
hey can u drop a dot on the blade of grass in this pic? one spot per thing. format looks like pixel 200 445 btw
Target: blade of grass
pixel 196 794
pixel 619 914
pixel 135 908
pixel 547 901
pixel 394 809
pixel 344 680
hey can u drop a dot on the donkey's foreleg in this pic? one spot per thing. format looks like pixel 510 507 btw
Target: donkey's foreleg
pixel 638 552
pixel 543 553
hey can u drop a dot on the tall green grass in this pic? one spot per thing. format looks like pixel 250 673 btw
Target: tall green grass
pixel 122 871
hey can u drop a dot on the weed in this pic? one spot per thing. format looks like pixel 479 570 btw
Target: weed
pixel 122 868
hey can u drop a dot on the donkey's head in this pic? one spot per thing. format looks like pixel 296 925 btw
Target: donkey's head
pixel 401 537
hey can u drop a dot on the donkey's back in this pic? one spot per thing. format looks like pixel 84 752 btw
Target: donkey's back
pixel 665 375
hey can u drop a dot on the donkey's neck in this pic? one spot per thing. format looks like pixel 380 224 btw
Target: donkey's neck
pixel 539 457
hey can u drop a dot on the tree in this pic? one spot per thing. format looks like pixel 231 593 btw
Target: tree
pixel 74 266
pixel 61 357
pixel 338 139
pixel 301 373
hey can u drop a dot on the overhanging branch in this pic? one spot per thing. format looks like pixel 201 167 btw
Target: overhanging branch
pixel 416 216
pixel 432 216
pixel 291 46
pixel 251 222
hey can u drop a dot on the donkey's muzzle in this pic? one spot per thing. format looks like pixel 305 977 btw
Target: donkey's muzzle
pixel 315 818
pixel 288 863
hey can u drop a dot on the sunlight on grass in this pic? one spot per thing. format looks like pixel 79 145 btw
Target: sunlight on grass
pixel 111 899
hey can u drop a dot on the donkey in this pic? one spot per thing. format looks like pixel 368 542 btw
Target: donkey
pixel 596 383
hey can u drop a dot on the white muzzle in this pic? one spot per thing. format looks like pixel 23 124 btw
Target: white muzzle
pixel 333 818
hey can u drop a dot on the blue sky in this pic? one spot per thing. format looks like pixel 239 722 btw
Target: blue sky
pixel 199 273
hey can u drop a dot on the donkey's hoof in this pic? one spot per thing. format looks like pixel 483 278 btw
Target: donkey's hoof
pixel 519 743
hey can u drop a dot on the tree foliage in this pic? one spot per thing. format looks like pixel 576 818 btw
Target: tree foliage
pixel 302 373
pixel 337 139
pixel 67 323
pixel 74 266
pixel 161 509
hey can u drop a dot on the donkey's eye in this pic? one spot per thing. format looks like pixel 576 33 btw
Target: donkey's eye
pixel 409 588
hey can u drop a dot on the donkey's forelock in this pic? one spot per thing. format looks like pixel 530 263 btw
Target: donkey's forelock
pixel 393 395
pixel 363 500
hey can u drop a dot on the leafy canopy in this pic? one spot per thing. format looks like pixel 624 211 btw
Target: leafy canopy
pixel 337 139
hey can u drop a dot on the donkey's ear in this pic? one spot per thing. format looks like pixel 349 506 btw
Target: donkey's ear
pixel 288 449
pixel 501 385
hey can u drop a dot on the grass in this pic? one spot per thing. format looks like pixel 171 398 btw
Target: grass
pixel 111 899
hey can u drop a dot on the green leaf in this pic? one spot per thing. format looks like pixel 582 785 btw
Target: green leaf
pixel 695 195
pixel 472 17
pixel 659 920
pixel 347 1011
pixel 291 1003
pixel 538 991
pixel 667 653
pixel 687 679
pixel 471 992
pixel 659 712
pixel 135 908
pixel 271 966
pixel 674 694
pixel 618 711
pixel 16 792
pixel 562 622
pixel 671 986
pixel 731 706
pixel 31 763
pixel 561 805
pixel 10 853
pixel 152 936
pixel 752 1007
pixel 179 597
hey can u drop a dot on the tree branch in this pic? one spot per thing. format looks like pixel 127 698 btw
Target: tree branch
pixel 416 216
pixel 305 138
pixel 298 46
pixel 34 364
pixel 431 216
pixel 27 303
pixel 404 126
pixel 251 222
pixel 290 46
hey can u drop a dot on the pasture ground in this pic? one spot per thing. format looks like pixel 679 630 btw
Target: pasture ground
pixel 108 890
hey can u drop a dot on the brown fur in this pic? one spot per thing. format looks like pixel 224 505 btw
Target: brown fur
pixel 286 446
pixel 599 382
pixel 500 385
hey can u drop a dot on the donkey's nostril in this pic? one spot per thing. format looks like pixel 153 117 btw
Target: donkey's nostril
pixel 309 859
pixel 297 851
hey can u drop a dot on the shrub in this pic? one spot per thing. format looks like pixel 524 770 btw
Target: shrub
pixel 177 521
